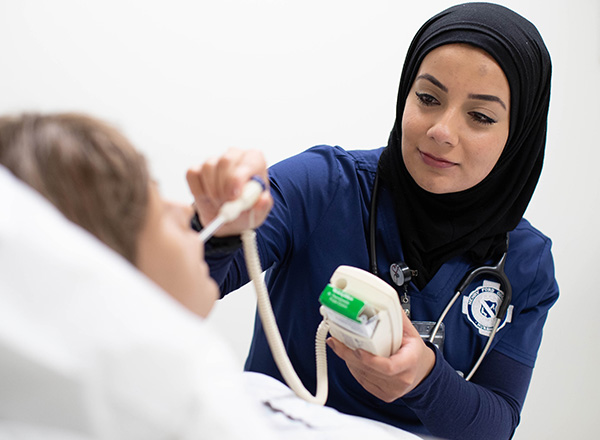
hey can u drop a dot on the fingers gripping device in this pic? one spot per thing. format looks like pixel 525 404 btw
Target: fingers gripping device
pixel 358 308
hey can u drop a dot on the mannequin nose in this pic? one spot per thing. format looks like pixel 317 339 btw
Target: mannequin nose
pixel 445 129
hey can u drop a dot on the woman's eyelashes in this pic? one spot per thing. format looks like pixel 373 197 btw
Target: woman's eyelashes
pixel 429 101
pixel 480 118
pixel 426 99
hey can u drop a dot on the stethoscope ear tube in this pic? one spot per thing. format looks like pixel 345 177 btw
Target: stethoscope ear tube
pixel 498 272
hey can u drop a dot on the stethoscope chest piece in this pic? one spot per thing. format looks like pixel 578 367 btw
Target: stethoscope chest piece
pixel 400 273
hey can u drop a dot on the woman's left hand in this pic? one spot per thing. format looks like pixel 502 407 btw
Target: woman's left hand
pixel 393 377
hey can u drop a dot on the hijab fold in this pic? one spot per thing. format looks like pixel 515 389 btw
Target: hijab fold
pixel 437 227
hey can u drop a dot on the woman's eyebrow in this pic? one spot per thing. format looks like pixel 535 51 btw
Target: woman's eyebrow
pixel 492 98
pixel 432 79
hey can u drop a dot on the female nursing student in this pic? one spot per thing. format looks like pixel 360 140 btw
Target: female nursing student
pixel 460 168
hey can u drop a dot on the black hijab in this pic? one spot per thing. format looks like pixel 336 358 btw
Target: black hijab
pixel 437 227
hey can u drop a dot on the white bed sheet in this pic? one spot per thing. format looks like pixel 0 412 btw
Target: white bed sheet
pixel 294 417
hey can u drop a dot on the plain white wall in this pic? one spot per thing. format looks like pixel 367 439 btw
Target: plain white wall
pixel 186 80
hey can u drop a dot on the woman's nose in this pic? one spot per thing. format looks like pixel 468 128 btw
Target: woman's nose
pixel 445 129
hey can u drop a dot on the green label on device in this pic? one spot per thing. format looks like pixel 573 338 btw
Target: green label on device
pixel 342 302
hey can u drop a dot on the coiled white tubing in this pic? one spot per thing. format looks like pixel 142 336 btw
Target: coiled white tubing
pixel 267 317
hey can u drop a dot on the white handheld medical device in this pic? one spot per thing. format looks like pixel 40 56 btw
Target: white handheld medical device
pixel 371 319
pixel 362 311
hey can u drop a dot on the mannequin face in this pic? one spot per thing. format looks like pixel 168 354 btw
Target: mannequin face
pixel 171 255
pixel 456 119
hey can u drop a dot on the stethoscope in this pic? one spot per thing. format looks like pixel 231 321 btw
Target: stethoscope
pixel 496 271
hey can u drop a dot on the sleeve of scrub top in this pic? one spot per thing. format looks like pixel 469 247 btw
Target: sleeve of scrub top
pixel 228 268
pixel 451 407
pixel 305 182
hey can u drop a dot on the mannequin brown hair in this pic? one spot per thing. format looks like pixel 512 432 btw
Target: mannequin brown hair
pixel 86 168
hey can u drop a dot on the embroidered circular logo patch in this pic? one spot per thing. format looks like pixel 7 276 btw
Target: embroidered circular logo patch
pixel 481 307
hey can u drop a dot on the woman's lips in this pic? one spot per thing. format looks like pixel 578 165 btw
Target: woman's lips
pixel 435 162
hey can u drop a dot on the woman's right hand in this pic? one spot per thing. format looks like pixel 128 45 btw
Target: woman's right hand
pixel 221 179
pixel 393 377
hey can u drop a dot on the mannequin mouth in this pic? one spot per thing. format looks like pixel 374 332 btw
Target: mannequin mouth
pixel 436 162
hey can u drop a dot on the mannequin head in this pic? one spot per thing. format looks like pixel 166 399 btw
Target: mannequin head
pixel 99 181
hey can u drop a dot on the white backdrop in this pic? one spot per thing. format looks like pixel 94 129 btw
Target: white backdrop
pixel 186 80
